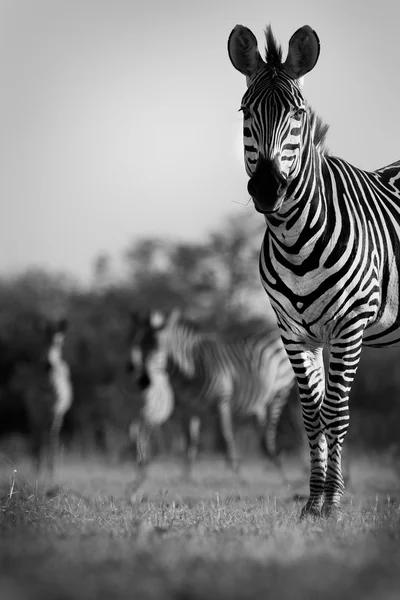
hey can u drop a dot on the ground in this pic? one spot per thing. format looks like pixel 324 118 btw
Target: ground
pixel 96 536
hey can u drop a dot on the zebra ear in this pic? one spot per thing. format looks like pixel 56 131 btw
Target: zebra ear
pixel 157 319
pixel 137 317
pixel 62 325
pixel 243 51
pixel 303 52
pixel 174 316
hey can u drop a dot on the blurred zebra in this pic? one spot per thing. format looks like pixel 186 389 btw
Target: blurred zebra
pixel 158 405
pixel 47 391
pixel 246 376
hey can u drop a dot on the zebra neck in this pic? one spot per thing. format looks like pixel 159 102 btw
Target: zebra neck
pixel 297 226
pixel 182 350
pixel 59 368
pixel 56 360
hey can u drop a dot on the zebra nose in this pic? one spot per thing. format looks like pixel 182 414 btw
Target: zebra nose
pixel 267 185
pixel 143 381
pixel 252 188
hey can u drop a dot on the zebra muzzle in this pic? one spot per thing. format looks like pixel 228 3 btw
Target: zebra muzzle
pixel 143 381
pixel 267 186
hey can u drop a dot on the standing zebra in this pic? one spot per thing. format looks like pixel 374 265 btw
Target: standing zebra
pixel 248 376
pixel 330 256
pixel 157 396
pixel 48 392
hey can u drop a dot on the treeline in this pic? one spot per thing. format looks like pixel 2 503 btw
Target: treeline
pixel 215 283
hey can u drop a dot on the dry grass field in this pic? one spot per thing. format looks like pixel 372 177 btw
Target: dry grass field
pixel 93 536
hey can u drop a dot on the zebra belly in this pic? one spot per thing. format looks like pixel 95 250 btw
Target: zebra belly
pixel 159 400
pixel 62 388
pixel 381 334
pixel 385 331
pixel 316 324
pixel 315 312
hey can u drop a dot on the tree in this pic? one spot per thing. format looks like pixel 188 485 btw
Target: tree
pixel 102 271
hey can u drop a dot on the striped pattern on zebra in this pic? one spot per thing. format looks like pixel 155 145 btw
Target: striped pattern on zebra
pixel 246 376
pixel 50 395
pixel 330 256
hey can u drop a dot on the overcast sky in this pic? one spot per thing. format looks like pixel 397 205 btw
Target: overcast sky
pixel 119 119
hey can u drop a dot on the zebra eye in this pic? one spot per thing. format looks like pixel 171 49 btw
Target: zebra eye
pixel 246 112
pixel 297 113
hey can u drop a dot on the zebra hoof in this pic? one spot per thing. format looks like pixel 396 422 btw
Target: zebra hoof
pixel 234 466
pixel 186 477
pixel 332 512
pixel 311 510
pixel 236 470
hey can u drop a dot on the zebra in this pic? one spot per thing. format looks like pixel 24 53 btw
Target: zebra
pixel 329 261
pixel 158 401
pixel 247 376
pixel 48 392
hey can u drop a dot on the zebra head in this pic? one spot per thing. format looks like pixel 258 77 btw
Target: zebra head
pixel 148 352
pixel 54 343
pixel 274 111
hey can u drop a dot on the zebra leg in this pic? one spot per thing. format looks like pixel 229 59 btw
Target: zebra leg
pixel 225 416
pixel 301 435
pixel 309 370
pixel 139 433
pixel 270 433
pixel 192 434
pixel 343 363
pixel 347 470
pixel 53 445
pixel 38 450
pixel 133 433
pixel 142 448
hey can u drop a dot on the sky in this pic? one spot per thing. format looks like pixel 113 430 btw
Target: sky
pixel 119 119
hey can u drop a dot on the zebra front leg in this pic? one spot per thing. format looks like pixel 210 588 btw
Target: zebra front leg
pixel 139 438
pixel 343 363
pixel 142 449
pixel 309 370
pixel 54 442
pixel 225 415
pixel 192 434
pixel 139 434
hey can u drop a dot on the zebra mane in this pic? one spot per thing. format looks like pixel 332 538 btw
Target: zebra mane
pixel 182 342
pixel 319 130
pixel 273 50
pixel 185 340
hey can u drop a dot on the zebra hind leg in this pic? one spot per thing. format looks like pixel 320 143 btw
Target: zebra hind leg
pixel 192 434
pixel 225 415
pixel 269 435
pixel 38 446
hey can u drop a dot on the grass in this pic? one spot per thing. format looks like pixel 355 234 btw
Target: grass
pixel 96 536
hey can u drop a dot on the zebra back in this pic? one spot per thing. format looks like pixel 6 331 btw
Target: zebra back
pixel 248 371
